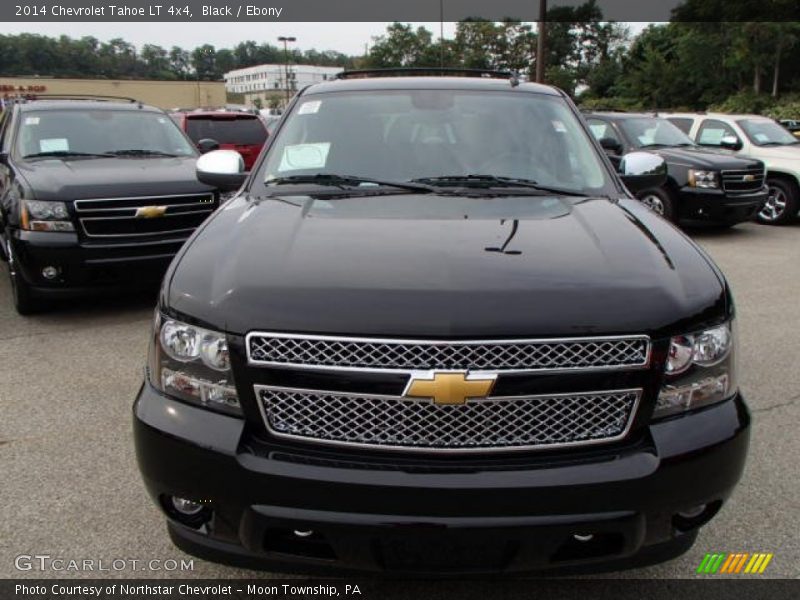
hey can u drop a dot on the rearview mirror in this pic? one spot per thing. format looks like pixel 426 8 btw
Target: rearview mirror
pixel 731 142
pixel 610 145
pixel 207 145
pixel 222 169
pixel 642 170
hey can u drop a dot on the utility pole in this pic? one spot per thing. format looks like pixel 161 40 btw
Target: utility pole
pixel 541 41
pixel 441 33
pixel 286 41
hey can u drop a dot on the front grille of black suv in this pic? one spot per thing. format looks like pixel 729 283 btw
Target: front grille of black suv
pixel 743 181
pixel 409 423
pixel 498 355
pixel 355 415
pixel 127 218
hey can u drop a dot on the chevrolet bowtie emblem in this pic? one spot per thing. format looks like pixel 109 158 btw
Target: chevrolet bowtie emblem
pixel 749 178
pixel 150 212
pixel 449 387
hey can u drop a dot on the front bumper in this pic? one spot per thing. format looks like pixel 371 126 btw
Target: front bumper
pixel 88 267
pixel 420 517
pixel 718 206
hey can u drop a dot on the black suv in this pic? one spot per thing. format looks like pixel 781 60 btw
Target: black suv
pixel 94 194
pixel 433 333
pixel 703 184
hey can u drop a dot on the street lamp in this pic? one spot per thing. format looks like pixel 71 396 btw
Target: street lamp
pixel 286 41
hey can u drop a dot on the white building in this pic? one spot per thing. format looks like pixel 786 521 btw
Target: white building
pixel 265 81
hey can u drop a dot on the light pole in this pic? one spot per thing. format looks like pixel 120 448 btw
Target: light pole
pixel 286 41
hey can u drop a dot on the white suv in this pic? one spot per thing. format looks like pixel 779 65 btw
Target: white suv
pixel 756 137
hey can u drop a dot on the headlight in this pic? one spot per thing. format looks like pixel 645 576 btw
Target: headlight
pixel 36 215
pixel 192 364
pixel 703 179
pixel 700 370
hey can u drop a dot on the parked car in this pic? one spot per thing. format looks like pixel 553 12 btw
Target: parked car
pixel 433 333
pixel 236 130
pixel 753 136
pixel 94 194
pixel 703 185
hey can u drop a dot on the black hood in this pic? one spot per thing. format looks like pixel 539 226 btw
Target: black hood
pixel 55 179
pixel 705 158
pixel 430 266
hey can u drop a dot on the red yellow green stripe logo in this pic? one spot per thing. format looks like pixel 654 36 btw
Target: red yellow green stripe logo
pixel 718 563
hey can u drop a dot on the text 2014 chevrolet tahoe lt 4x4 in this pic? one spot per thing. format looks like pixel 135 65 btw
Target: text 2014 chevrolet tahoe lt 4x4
pixel 434 333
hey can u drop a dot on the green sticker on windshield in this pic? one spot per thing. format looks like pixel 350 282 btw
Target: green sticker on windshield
pixel 304 156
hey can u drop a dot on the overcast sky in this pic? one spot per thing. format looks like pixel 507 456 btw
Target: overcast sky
pixel 348 38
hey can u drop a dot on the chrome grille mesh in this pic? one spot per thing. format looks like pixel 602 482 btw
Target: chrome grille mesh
pixel 511 355
pixel 403 423
pixel 743 181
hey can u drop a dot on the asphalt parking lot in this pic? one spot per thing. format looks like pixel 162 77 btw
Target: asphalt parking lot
pixel 71 489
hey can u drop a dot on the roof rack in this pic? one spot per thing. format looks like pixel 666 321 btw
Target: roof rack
pixel 426 72
pixel 93 97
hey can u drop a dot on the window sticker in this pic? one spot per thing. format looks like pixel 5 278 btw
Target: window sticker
pixel 54 145
pixel 310 108
pixel 304 156
pixel 31 120
pixel 559 127
pixel 761 137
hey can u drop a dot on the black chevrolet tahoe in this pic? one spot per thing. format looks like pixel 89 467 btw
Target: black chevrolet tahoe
pixel 434 334
pixel 703 184
pixel 95 194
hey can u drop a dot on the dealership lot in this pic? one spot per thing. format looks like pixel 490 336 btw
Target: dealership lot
pixel 71 488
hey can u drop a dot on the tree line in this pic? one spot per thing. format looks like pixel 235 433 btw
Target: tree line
pixel 30 54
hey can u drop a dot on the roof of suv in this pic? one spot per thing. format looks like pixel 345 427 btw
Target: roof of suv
pixel 61 104
pixel 712 115
pixel 425 82
pixel 621 115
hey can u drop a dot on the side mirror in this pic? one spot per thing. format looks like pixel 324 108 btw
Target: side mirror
pixel 610 145
pixel 222 169
pixel 731 142
pixel 642 170
pixel 207 145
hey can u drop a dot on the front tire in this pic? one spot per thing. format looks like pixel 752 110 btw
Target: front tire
pixel 660 201
pixel 781 205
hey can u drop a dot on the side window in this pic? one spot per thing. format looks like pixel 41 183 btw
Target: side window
pixel 602 129
pixel 711 133
pixel 682 123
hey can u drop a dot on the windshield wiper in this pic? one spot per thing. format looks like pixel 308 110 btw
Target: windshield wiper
pixel 346 181
pixel 63 154
pixel 765 144
pixel 497 181
pixel 138 152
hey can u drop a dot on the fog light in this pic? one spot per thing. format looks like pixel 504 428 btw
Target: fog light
pixel 50 272
pixel 583 538
pixel 303 533
pixel 186 507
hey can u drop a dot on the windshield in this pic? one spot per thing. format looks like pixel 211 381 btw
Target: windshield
pixel 99 132
pixel 404 135
pixel 226 130
pixel 652 131
pixel 764 132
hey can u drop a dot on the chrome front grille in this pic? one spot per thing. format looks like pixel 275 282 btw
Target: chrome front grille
pixel 494 423
pixel 743 181
pixel 117 217
pixel 342 353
